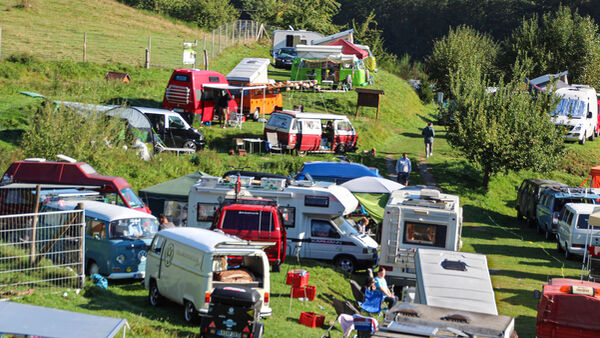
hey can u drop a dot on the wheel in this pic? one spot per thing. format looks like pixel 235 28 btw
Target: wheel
pixel 593 136
pixel 582 141
pixel 597 132
pixel 568 255
pixel 258 330
pixel 154 297
pixel 548 235
pixel 532 222
pixel 92 268
pixel 276 267
pixel 190 145
pixel 256 114
pixel 189 312
pixel 341 148
pixel 345 263
pixel 558 246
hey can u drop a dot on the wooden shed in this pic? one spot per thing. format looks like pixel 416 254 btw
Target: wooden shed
pixel 118 76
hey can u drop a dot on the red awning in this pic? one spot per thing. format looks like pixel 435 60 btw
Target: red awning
pixel 350 49
pixel 595 173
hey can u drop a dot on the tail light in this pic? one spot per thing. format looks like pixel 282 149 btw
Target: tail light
pixel 266 297
pixel 207 297
pixel 577 245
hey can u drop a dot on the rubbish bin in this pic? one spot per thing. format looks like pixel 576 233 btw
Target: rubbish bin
pixel 233 312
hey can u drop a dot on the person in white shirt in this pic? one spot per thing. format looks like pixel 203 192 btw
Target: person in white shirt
pixel 403 168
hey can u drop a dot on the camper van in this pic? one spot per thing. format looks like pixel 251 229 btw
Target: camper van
pixel 577 112
pixel 310 132
pixel 185 265
pixel 194 92
pixel 115 190
pixel 456 280
pixel 115 237
pixel 574 231
pixel 313 214
pixel 416 219
pixel 291 38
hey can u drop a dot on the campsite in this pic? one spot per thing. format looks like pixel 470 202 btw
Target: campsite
pixel 251 139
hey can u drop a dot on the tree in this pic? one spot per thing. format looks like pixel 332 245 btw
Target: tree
pixel 561 40
pixel 509 129
pixel 462 49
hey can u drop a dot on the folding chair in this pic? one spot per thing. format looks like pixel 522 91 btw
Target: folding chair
pixel 273 143
pixel 359 297
pixel 341 308
pixel 372 303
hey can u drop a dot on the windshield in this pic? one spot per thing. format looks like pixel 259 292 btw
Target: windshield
pixel 133 227
pixel 131 198
pixel 345 227
pixel 571 108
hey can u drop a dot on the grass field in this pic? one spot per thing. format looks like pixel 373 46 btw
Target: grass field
pixel 520 260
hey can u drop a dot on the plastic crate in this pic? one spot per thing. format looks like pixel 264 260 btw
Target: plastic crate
pixel 309 291
pixel 311 319
pixel 297 278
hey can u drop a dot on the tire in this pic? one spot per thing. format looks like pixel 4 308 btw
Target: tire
pixel 558 246
pixel 256 114
pixel 582 141
pixel 568 256
pixel 190 145
pixel 276 268
pixel 341 148
pixel 259 329
pixel 154 297
pixel 189 312
pixel 532 222
pixel 345 263
pixel 593 136
pixel 92 268
pixel 548 235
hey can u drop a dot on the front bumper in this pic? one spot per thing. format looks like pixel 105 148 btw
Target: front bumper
pixel 127 275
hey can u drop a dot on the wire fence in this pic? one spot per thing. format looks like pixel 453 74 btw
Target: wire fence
pixel 153 50
pixel 42 250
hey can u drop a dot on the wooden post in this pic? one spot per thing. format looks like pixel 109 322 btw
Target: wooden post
pixel 220 33
pixel 0 43
pixel 147 63
pixel 84 46
pixel 226 35
pixel 212 52
pixel 205 60
pixel 377 116
pixel 356 115
pixel 148 53
pixel 38 189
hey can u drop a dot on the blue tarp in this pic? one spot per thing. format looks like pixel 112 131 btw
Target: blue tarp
pixel 338 172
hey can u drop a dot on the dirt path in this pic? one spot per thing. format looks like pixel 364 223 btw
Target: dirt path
pixel 421 165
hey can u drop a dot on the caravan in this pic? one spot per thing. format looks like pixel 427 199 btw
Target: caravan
pixel 313 214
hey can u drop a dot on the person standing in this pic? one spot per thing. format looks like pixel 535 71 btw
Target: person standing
pixel 403 168
pixel 428 133
pixel 223 108
pixel 164 222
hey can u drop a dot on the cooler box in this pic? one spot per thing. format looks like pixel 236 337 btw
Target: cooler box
pixel 297 278
pixel 231 312
pixel 309 291
pixel 569 308
pixel 311 319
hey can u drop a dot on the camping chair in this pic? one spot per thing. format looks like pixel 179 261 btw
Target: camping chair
pixel 273 143
pixel 236 119
pixel 359 296
pixel 372 303
pixel 341 308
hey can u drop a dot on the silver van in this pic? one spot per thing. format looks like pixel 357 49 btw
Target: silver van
pixel 184 265
pixel 574 232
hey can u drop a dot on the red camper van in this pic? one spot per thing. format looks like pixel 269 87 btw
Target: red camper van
pixel 194 92
pixel 254 220
pixel 310 132
pixel 115 189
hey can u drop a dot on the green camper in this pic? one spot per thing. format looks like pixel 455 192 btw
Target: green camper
pixel 345 72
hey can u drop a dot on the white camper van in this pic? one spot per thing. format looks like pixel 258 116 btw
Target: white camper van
pixel 291 38
pixel 417 219
pixel 313 215
pixel 577 112
pixel 454 280
pixel 184 265
pixel 575 233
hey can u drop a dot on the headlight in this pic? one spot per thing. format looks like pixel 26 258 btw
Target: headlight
pixel 120 259
pixel 577 128
pixel 142 255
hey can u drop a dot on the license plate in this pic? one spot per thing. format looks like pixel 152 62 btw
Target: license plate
pixel 139 275
pixel 224 333
pixel 179 110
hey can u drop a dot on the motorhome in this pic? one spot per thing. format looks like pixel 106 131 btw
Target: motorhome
pixel 291 38
pixel 456 280
pixel 313 214
pixel 115 190
pixel 185 265
pixel 577 112
pixel 310 132
pixel 416 219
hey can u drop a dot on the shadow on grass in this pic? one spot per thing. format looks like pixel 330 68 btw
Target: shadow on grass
pixel 460 177
pixel 13 136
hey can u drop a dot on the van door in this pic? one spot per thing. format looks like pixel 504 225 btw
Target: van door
pixel 97 246
pixel 344 134
pixel 311 135
pixel 177 131
pixel 325 241
pixel 168 272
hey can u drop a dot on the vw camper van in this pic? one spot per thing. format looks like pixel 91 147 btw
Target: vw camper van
pixel 311 132
pixel 185 265
pixel 116 238
pixel 574 231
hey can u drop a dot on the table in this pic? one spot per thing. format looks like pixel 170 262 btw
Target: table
pixel 250 142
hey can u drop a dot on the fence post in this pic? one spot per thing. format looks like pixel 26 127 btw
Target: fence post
pixel 149 49
pixel 147 63
pixel 212 52
pixel 205 60
pixel 0 43
pixel 34 225
pixel 84 47
pixel 226 35
pixel 220 32
pixel 233 33
pixel 80 206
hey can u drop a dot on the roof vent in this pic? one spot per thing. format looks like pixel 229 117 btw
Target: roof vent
pixel 456 318
pixel 430 193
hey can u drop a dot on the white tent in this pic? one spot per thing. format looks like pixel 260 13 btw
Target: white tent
pixel 371 184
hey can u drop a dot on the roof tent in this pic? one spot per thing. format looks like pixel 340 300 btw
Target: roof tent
pixel 454 280
pixel 31 320
pixel 250 70
pixel 349 48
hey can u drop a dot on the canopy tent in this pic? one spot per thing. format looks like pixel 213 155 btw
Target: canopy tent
pixel 136 120
pixel 31 320
pixel 240 89
pixel 373 193
pixel 159 197
pixel 350 49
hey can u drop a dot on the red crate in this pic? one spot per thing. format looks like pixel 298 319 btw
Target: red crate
pixel 309 291
pixel 311 319
pixel 297 278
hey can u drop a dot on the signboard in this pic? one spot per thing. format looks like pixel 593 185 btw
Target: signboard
pixel 189 54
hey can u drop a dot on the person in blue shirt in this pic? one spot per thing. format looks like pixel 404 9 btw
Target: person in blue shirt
pixel 403 168
pixel 381 286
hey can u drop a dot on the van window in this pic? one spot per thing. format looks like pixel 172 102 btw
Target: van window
pixel 559 203
pixel 157 244
pixel 425 234
pixel 316 201
pixel 176 123
pixel 320 228
pixel 181 77
pixel 289 216
pixel 344 125
pixel 582 221
pixel 131 198
pixel 95 227
pixel 311 125
pixel 569 217
pixel 133 227
pixel 207 95
pixel 279 121
pixel 206 212
pixel 345 227
pixel 176 212
pixel 246 220
pixel 213 79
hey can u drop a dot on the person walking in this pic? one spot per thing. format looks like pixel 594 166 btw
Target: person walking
pixel 428 133
pixel 403 169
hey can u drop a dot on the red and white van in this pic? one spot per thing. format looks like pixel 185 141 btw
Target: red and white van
pixel 311 132
pixel 116 190
pixel 257 220
pixel 194 92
